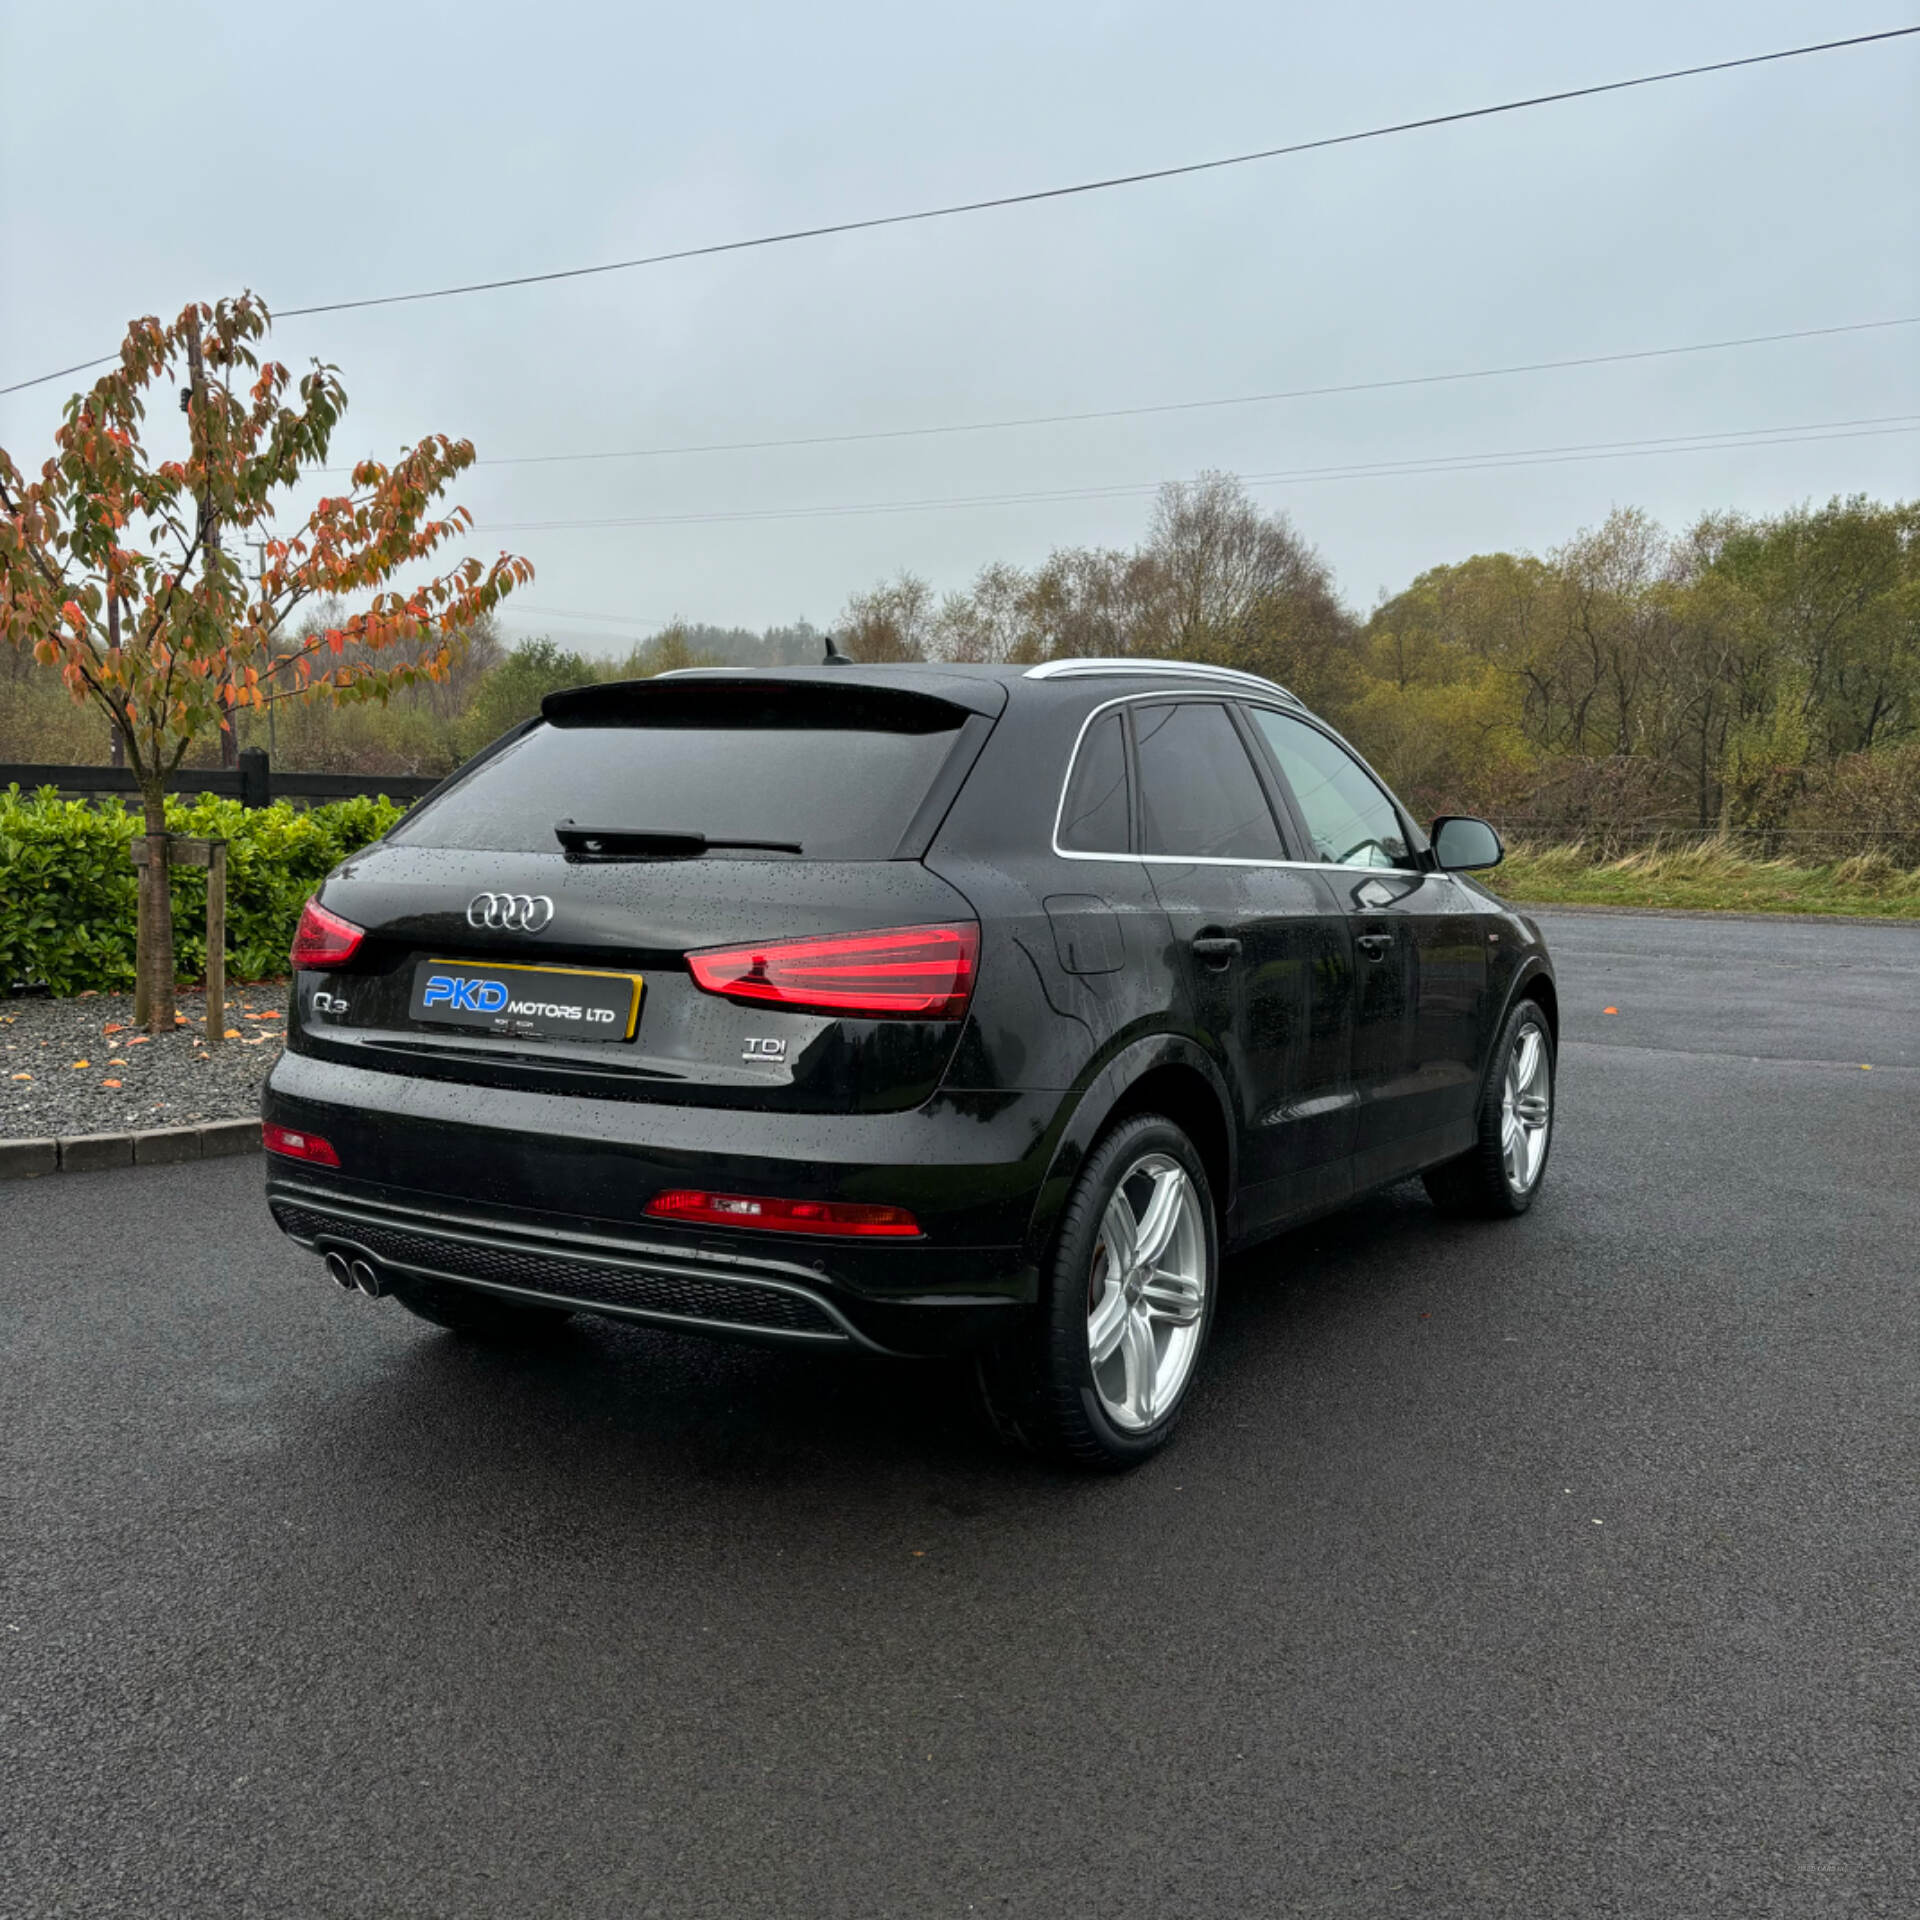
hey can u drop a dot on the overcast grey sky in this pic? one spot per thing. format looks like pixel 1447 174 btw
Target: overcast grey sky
pixel 153 155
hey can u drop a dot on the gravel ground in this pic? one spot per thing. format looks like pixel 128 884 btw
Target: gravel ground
pixel 79 1066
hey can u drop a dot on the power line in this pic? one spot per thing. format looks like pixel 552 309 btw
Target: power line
pixel 574 613
pixel 1035 195
pixel 59 373
pixel 1099 186
pixel 1187 406
pixel 1385 469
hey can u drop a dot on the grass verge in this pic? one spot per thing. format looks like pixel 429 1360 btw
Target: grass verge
pixel 1712 875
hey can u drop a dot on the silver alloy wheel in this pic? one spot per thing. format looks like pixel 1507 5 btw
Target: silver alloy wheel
pixel 1147 1292
pixel 1526 1109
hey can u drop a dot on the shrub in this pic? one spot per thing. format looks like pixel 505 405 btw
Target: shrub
pixel 1609 798
pixel 39 720
pixel 67 904
pixel 512 691
pixel 366 738
pixel 1867 802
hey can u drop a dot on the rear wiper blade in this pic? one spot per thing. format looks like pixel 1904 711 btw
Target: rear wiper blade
pixel 632 843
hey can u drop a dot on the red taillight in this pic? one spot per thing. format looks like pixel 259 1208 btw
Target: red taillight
pixel 297 1145
pixel 697 1209
pixel 323 939
pixel 921 973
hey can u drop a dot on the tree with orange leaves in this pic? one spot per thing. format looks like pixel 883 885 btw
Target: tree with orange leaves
pixel 126 572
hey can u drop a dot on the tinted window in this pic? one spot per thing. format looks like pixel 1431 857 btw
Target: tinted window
pixel 1094 817
pixel 1348 815
pixel 844 793
pixel 1199 793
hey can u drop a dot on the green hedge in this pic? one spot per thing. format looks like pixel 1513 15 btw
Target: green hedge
pixel 67 903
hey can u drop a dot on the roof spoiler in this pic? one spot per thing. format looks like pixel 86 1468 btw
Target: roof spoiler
pixel 827 698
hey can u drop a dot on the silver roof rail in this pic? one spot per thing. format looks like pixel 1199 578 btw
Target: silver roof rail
pixel 1158 669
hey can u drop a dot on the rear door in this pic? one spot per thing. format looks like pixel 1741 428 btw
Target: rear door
pixel 1420 1005
pixel 1264 948
pixel 548 919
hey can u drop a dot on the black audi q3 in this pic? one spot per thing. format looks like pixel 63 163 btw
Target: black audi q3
pixel 924 1010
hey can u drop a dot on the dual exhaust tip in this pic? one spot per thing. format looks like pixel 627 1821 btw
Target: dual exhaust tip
pixel 352 1276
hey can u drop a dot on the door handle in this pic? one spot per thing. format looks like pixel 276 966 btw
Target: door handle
pixel 1374 945
pixel 1217 950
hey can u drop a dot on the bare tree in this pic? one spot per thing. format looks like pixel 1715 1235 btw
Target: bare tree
pixel 992 622
pixel 1616 634
pixel 1091 602
pixel 1219 560
pixel 893 621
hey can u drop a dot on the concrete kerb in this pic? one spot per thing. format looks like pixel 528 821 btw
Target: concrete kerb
pixel 23 1159
pixel 146 1147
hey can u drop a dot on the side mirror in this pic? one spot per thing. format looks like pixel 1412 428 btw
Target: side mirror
pixel 1462 844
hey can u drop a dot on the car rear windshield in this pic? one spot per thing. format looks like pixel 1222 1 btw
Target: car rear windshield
pixel 842 780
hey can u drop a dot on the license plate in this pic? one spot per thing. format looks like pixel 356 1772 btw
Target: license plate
pixel 527 1003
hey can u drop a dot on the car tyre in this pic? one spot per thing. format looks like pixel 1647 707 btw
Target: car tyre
pixel 477 1315
pixel 1499 1176
pixel 1098 1378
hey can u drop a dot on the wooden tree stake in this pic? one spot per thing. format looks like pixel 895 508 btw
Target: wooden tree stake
pixel 216 942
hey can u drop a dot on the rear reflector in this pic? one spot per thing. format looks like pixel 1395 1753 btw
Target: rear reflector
pixel 696 1209
pixel 323 939
pixel 297 1145
pixel 923 973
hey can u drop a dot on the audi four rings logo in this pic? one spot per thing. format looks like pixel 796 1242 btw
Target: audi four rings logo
pixel 527 912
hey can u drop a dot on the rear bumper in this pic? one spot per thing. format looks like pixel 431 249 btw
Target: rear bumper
pixel 694 1290
pixel 543 1196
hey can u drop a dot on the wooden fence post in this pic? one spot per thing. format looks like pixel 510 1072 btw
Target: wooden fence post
pixel 145 910
pixel 256 778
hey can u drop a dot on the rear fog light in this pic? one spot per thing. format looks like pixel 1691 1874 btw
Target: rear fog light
pixel 692 1207
pixel 297 1145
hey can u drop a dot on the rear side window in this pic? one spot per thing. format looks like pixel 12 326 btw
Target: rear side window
pixel 842 791
pixel 1352 821
pixel 1095 816
pixel 1199 794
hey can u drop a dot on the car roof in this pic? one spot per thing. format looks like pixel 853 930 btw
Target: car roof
pixel 987 688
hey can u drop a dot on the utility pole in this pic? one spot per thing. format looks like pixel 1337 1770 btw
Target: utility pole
pixel 273 706
pixel 116 747
pixel 209 527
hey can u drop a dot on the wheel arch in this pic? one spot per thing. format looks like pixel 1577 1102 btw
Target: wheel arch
pixel 1164 1073
pixel 1536 982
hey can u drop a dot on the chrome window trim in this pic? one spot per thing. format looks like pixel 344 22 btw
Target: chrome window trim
pixel 1199 859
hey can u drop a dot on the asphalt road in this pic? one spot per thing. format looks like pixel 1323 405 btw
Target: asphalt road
pixel 1560 1567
